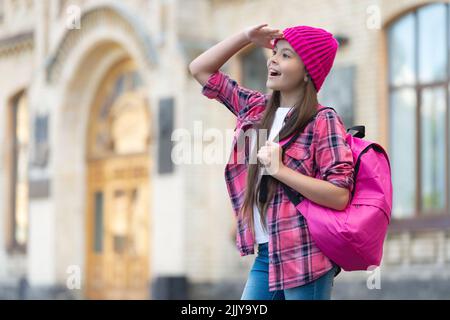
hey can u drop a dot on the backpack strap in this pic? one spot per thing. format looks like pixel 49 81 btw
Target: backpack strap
pixel 297 134
pixel 263 186
pixel 294 196
pixel 357 131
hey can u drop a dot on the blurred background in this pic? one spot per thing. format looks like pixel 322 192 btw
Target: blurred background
pixel 93 205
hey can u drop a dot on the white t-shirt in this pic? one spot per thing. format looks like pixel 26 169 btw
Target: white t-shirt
pixel 260 235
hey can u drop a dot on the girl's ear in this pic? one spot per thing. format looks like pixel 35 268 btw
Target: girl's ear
pixel 306 76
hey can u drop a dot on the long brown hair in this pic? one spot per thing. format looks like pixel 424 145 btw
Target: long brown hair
pixel 303 111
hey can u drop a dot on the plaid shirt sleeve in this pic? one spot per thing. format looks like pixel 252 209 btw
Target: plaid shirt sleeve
pixel 237 99
pixel 333 155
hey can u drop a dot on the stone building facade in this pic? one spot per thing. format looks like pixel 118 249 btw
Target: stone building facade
pixel 92 90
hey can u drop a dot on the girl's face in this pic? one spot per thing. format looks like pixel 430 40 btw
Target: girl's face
pixel 288 66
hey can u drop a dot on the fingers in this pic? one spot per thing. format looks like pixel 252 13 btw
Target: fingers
pixel 273 32
pixel 269 157
pixel 270 30
pixel 263 151
pixel 263 157
pixel 278 35
pixel 276 32
pixel 267 149
pixel 261 25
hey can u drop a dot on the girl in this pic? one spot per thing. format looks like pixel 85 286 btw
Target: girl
pixel 318 164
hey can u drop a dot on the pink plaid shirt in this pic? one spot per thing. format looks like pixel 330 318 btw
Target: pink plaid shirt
pixel 320 151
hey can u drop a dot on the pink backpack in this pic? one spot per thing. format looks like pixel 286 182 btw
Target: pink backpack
pixel 353 238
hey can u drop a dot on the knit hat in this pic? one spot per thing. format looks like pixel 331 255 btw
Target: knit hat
pixel 316 47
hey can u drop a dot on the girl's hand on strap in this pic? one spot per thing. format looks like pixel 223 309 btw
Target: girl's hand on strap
pixel 270 156
pixel 262 35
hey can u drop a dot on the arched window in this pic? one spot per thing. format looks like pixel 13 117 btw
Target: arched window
pixel 121 122
pixel 418 51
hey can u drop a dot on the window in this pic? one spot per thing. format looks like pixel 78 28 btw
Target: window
pixel 418 51
pixel 338 91
pixel 254 70
pixel 19 173
pixel 121 104
pixel 2 11
pixel 98 224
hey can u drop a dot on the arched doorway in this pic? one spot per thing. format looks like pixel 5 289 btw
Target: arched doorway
pixel 117 199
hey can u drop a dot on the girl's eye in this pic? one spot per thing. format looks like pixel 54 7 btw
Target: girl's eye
pixel 284 55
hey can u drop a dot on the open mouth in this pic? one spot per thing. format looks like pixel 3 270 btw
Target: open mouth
pixel 273 74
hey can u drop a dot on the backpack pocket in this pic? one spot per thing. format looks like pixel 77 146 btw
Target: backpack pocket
pixel 367 226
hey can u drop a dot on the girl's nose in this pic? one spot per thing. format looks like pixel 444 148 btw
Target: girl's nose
pixel 271 60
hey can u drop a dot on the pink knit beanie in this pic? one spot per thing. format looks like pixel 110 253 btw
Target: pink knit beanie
pixel 316 47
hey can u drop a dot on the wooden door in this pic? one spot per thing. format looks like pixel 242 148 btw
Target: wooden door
pixel 118 227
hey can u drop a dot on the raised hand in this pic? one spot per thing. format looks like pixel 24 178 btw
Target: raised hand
pixel 262 35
